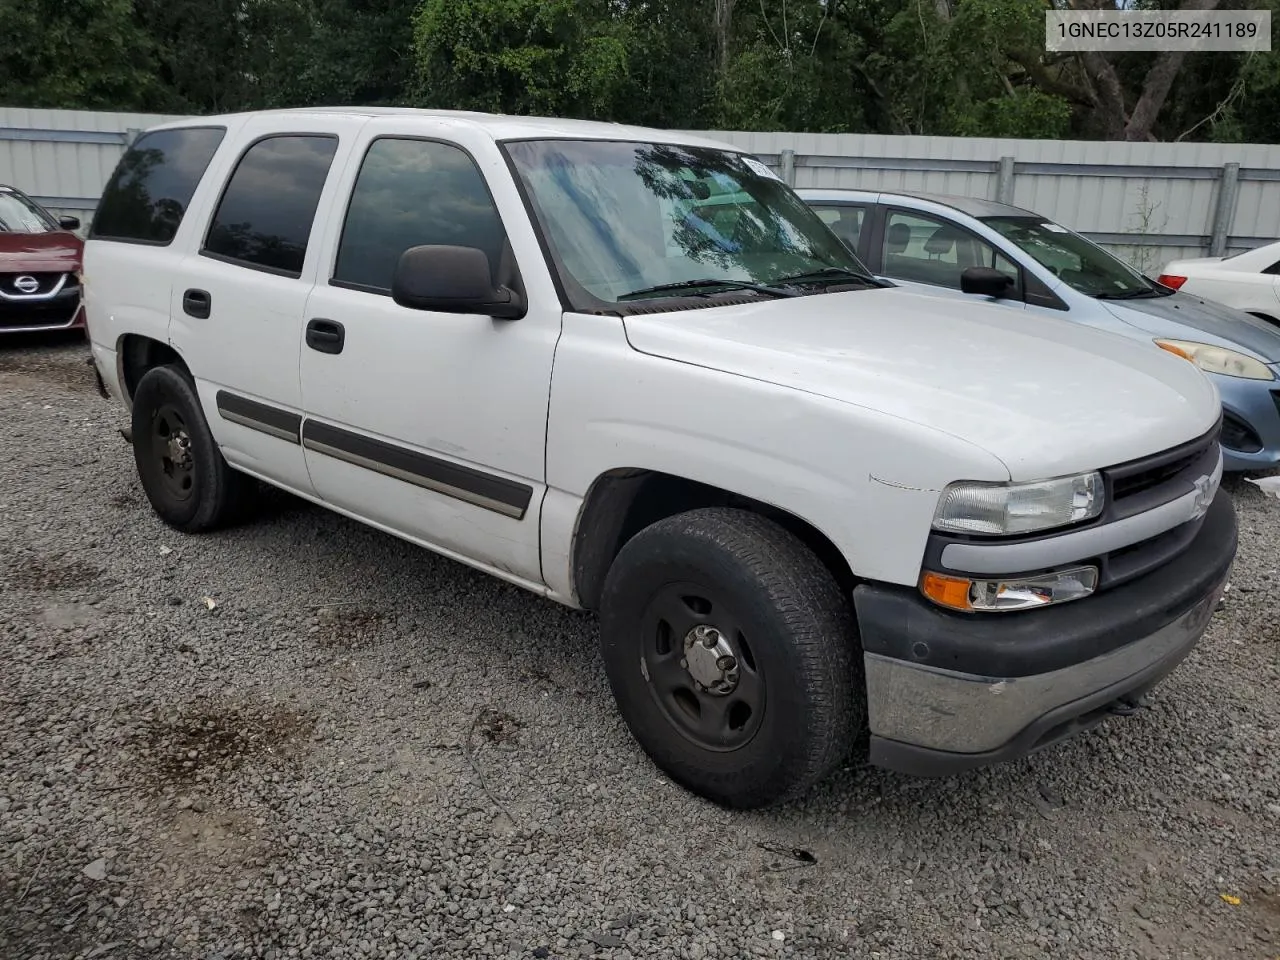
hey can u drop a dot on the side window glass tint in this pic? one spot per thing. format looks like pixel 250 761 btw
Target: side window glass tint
pixel 845 222
pixel 265 215
pixel 1274 268
pixel 147 195
pixel 409 193
pixel 928 250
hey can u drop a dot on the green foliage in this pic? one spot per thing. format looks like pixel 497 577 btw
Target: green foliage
pixel 927 67
pixel 561 57
pixel 74 54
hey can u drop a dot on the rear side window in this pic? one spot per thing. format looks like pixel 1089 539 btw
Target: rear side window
pixel 265 215
pixel 1274 268
pixel 412 192
pixel 147 195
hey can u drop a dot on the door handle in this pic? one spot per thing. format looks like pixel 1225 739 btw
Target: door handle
pixel 327 336
pixel 197 303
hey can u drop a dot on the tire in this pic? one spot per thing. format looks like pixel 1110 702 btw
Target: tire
pixel 195 493
pixel 782 706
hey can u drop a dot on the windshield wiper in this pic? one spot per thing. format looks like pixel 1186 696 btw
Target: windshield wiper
pixel 1127 295
pixel 834 275
pixel 708 282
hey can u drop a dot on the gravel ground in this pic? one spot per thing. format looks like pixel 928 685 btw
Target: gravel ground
pixel 304 738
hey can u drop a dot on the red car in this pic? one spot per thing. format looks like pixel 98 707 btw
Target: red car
pixel 39 267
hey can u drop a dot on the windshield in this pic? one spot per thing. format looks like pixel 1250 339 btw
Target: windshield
pixel 20 215
pixel 1078 262
pixel 624 218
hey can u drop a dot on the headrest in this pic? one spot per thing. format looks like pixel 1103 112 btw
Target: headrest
pixel 899 237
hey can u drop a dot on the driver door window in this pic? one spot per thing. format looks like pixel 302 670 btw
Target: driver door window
pixel 923 249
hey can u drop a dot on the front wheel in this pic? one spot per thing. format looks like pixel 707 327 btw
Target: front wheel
pixel 732 654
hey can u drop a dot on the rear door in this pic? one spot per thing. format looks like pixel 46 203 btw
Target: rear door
pixel 848 221
pixel 238 301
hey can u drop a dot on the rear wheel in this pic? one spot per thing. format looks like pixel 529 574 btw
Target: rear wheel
pixel 183 473
pixel 732 654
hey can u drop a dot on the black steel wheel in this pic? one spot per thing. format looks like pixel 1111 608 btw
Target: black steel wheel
pixel 189 484
pixel 733 656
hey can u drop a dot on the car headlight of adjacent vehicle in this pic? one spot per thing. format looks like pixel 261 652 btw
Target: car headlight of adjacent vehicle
pixel 1211 359
pixel 1017 508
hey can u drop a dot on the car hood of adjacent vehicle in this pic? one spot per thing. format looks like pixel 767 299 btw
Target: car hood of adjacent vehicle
pixel 38 252
pixel 1047 398
pixel 1183 316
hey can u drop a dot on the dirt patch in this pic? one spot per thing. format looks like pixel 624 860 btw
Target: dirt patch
pixel 67 371
pixel 210 740
pixel 498 727
pixel 347 628
pixel 27 571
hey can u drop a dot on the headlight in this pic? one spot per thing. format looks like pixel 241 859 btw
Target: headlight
pixel 1211 359
pixel 1010 508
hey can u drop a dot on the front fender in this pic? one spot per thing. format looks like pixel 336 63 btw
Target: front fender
pixel 866 481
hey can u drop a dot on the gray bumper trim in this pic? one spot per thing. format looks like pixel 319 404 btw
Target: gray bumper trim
pixel 962 713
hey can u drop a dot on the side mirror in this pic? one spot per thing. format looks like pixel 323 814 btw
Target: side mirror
pixel 985 281
pixel 452 280
pixel 69 223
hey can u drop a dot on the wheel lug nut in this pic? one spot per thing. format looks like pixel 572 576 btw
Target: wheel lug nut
pixel 684 664
pixel 726 663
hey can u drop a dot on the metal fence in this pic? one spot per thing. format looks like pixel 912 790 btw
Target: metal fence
pixel 1148 202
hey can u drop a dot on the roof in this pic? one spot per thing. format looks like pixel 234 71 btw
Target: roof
pixel 498 126
pixel 973 206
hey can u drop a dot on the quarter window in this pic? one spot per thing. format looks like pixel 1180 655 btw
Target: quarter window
pixel 409 193
pixel 1274 268
pixel 265 215
pixel 147 195
pixel 928 250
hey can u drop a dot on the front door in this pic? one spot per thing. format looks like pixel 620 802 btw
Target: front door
pixel 930 253
pixel 431 425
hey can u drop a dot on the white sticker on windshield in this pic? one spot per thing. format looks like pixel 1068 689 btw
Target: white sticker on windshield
pixel 1054 228
pixel 755 166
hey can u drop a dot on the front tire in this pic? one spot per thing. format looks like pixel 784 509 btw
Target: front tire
pixel 732 654
pixel 190 486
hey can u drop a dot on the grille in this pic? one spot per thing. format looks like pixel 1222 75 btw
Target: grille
pixel 45 283
pixel 1163 476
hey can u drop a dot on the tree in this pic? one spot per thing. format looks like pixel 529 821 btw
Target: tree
pixel 75 54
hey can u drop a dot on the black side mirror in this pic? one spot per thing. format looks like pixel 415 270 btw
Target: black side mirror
pixel 985 281
pixel 452 280
pixel 69 223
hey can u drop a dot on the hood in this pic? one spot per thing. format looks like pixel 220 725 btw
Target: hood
pixel 36 252
pixel 1184 316
pixel 1047 398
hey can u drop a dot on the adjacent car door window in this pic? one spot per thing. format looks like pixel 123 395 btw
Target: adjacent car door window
pixel 845 221
pixel 409 193
pixel 265 215
pixel 147 195
pixel 926 249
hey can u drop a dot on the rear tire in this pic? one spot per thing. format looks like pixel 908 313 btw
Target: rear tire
pixel 190 486
pixel 733 656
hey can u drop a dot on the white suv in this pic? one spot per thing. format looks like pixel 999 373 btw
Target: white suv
pixel 566 353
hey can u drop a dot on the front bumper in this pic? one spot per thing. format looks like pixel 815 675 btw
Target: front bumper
pixel 949 692
pixel 1256 403
pixel 64 311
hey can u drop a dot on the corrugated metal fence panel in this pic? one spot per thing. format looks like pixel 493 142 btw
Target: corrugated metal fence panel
pixel 1170 192
pixel 68 174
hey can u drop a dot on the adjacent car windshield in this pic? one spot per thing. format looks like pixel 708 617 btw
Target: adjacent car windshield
pixel 625 218
pixel 20 215
pixel 1080 264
